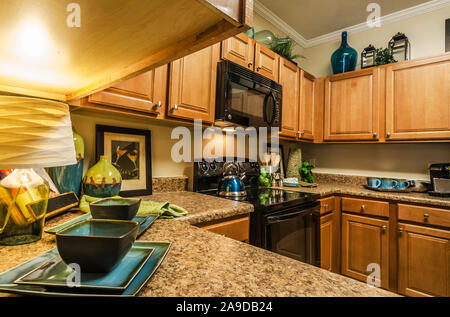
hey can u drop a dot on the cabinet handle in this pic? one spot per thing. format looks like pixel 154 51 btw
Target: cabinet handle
pixel 375 134
pixel 325 206
pixel 363 208
pixel 175 107
pixel 383 228
pixel 388 135
pixel 250 64
pixel 159 104
pixel 425 217
pixel 400 230
pixel 258 68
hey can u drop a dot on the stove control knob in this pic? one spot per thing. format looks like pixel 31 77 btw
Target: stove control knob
pixel 204 166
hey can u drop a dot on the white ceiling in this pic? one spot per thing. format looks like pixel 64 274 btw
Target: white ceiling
pixel 314 18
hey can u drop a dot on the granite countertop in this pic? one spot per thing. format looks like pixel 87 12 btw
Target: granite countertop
pixel 333 188
pixel 201 263
pixel 202 208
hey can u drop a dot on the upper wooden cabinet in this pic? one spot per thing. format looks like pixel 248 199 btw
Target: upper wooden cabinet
pixel 239 49
pixel 306 119
pixel 289 79
pixel 365 248
pixel 266 62
pixel 192 88
pixel 352 106
pixel 418 99
pixel 115 40
pixel 423 261
pixel 146 92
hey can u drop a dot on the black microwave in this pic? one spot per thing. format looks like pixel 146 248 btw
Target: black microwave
pixel 245 98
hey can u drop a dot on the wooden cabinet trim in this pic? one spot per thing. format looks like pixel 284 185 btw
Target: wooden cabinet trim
pixel 238 229
pixel 306 113
pixel 424 215
pixel 289 124
pixel 270 71
pixel 246 59
pixel 366 207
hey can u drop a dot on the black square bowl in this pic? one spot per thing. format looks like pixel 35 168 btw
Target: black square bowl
pixel 96 245
pixel 115 208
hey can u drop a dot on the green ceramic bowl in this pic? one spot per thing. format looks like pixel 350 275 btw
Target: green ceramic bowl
pixel 96 245
pixel 115 208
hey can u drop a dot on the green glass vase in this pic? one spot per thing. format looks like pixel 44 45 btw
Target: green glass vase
pixel 102 180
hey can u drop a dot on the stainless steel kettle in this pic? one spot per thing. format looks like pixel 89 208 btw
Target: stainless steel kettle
pixel 231 185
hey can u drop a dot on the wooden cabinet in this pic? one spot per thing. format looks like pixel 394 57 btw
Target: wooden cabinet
pixel 239 49
pixel 365 245
pixel 237 228
pixel 307 106
pixel 366 206
pixel 329 235
pixel 418 99
pixel 290 80
pixel 352 106
pixel 192 89
pixel 266 62
pixel 145 93
pixel 424 261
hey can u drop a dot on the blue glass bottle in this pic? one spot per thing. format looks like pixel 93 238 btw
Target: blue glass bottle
pixel 344 59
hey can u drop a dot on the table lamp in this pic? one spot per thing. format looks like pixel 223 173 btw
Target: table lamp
pixel 34 133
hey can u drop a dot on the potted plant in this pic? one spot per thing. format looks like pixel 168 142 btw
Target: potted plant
pixel 384 56
pixel 306 172
pixel 284 47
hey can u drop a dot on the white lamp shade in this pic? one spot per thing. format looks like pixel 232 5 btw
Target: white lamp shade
pixel 35 133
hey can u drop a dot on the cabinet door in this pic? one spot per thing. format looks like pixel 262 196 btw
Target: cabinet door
pixel 306 112
pixel 239 49
pixel 237 229
pixel 146 92
pixel 266 62
pixel 423 261
pixel 192 91
pixel 418 99
pixel 352 106
pixel 365 241
pixel 289 79
pixel 326 242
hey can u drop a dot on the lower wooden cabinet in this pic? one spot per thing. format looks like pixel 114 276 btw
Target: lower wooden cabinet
pixel 237 228
pixel 423 261
pixel 326 242
pixel 365 246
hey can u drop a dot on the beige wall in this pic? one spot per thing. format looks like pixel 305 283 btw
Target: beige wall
pixel 84 122
pixel 389 160
pixel 426 33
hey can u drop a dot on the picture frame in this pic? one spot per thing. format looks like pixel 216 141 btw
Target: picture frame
pixel 447 35
pixel 129 150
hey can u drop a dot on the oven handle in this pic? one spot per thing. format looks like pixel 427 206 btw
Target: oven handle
pixel 277 219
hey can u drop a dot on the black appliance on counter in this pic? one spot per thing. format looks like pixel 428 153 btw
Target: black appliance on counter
pixel 440 179
pixel 285 222
pixel 246 98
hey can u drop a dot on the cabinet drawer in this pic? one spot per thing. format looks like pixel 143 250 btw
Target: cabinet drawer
pixel 424 215
pixel 326 205
pixel 367 207
pixel 237 229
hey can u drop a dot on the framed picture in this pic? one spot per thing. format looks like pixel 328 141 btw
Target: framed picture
pixel 447 35
pixel 129 150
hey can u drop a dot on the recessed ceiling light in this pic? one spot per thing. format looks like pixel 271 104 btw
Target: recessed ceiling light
pixel 32 40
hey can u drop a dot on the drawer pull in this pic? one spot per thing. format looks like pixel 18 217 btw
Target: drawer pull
pixel 400 230
pixel 363 208
pixel 383 228
pixel 325 206
pixel 250 64
pixel 425 217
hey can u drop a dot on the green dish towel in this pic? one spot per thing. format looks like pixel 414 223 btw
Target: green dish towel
pixel 165 210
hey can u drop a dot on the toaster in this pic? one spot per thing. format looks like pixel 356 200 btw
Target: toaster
pixel 440 179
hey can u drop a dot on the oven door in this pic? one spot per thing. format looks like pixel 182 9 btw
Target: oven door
pixel 295 233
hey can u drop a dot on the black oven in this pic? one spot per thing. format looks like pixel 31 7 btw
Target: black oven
pixel 246 98
pixel 293 232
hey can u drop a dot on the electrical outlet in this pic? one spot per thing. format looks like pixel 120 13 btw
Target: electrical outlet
pixel 312 162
